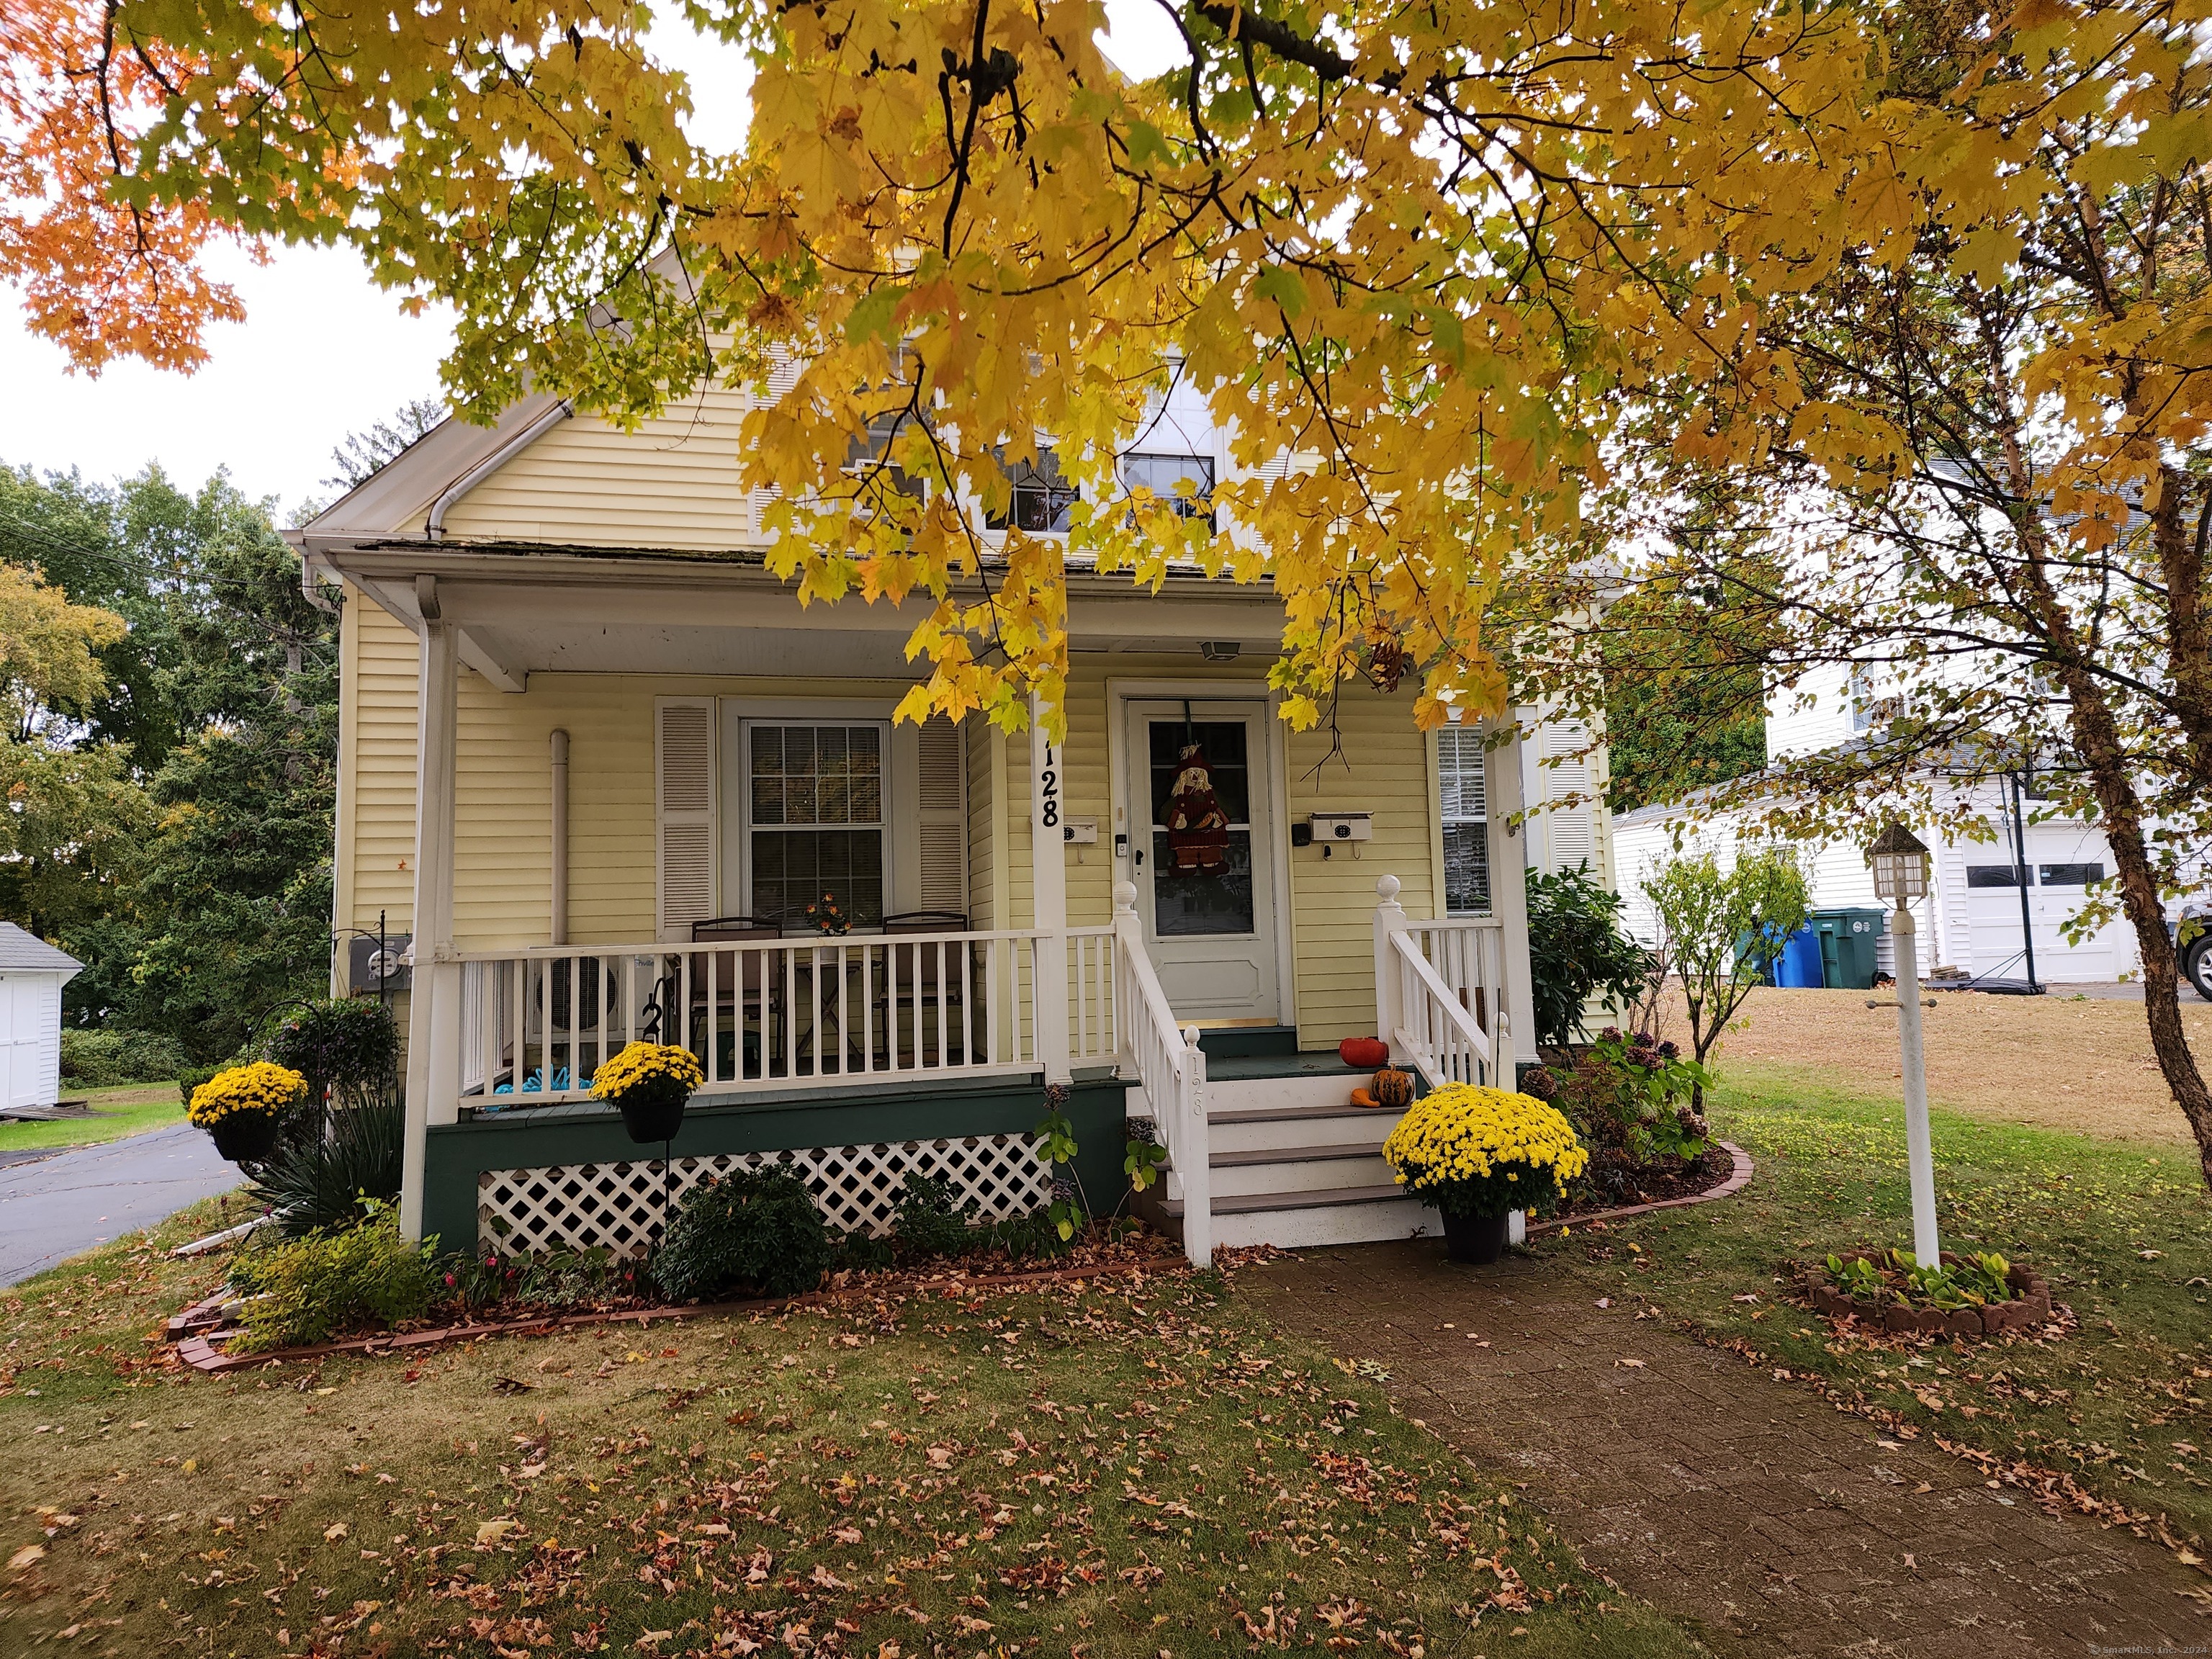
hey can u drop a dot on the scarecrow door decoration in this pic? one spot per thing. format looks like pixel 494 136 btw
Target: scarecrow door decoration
pixel 1198 830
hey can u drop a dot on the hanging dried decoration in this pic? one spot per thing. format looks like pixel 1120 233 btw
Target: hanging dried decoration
pixel 1386 665
pixel 1198 830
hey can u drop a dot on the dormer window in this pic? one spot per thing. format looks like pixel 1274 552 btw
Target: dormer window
pixel 1043 500
pixel 1184 482
pixel 1861 700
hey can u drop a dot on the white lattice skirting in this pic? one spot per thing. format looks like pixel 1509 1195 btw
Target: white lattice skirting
pixel 617 1206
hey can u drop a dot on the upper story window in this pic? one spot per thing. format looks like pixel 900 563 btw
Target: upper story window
pixel 1861 700
pixel 1465 811
pixel 1043 500
pixel 1183 481
pixel 866 454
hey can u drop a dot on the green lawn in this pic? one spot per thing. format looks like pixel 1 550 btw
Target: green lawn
pixel 2124 1406
pixel 131 1109
pixel 1128 1470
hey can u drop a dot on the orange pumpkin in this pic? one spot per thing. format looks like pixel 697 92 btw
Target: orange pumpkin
pixel 1392 1087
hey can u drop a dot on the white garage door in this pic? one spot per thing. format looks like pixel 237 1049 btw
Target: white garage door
pixel 2060 862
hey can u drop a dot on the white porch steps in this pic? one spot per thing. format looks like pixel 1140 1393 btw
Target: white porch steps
pixel 1292 1164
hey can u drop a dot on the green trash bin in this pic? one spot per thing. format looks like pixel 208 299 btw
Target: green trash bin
pixel 1847 945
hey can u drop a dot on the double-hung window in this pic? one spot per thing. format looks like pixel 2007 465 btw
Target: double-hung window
pixel 1466 817
pixel 1184 482
pixel 815 819
pixel 1043 499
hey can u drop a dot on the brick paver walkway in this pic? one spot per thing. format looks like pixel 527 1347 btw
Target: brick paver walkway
pixel 1751 1509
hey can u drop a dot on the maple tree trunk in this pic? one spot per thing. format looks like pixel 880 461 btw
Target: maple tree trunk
pixel 2097 741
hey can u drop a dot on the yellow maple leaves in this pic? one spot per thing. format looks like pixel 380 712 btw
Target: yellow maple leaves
pixel 1416 266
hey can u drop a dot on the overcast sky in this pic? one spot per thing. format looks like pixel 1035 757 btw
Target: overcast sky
pixel 322 351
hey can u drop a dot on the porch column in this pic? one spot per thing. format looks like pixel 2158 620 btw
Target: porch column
pixel 1048 894
pixel 1508 898
pixel 433 1013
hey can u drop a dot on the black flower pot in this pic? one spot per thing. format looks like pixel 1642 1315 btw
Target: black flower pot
pixel 245 1137
pixel 653 1114
pixel 1476 1238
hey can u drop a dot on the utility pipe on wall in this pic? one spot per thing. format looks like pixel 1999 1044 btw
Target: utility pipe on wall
pixel 560 930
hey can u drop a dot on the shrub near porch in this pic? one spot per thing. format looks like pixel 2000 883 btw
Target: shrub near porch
pixel 1112 1470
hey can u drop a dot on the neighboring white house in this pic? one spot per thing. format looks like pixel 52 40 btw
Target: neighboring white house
pixel 32 974
pixel 1973 921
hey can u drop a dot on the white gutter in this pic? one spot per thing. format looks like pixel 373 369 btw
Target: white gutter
pixel 434 526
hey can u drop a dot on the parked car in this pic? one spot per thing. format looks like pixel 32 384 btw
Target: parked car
pixel 2193 932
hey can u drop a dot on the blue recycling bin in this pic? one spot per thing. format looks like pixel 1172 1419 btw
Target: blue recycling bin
pixel 1799 967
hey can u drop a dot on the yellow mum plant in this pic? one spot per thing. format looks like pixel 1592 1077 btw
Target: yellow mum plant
pixel 647 1068
pixel 263 1087
pixel 1477 1151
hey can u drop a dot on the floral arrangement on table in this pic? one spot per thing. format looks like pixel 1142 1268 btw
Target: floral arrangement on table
pixel 824 917
pixel 1470 1151
pixel 242 1107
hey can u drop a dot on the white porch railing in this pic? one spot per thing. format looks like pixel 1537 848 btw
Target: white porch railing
pixel 536 1023
pixel 1439 993
pixel 1170 1065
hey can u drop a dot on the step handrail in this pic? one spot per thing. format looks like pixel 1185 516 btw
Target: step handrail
pixel 1170 1065
pixel 1436 996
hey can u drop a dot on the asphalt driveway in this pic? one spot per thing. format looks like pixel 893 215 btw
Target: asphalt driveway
pixel 52 1208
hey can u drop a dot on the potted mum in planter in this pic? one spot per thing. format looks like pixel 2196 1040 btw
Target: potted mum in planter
pixel 648 1084
pixel 1480 1154
pixel 244 1108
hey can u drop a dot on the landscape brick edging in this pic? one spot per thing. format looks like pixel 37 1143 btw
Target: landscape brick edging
pixel 200 1354
pixel 2030 1308
pixel 1738 1179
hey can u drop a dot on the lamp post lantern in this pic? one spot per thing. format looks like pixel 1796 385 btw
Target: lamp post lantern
pixel 1900 875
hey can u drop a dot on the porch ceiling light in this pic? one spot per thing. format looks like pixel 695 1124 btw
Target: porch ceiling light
pixel 1901 866
pixel 1219 650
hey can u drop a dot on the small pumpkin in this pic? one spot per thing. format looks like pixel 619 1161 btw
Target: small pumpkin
pixel 1361 1098
pixel 1364 1053
pixel 1392 1087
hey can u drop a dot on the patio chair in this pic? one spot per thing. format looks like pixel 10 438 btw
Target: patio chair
pixel 742 989
pixel 919 971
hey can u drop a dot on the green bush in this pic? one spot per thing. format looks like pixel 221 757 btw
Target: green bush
pixel 1578 950
pixel 358 1166
pixel 927 1223
pixel 101 1059
pixel 349 1045
pixel 331 1284
pixel 192 1076
pixel 748 1232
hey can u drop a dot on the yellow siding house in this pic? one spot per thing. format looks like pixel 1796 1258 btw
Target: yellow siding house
pixel 603 778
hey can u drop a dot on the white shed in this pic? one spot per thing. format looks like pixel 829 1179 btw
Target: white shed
pixel 32 974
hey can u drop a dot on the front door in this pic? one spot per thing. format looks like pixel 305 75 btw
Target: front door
pixel 1203 856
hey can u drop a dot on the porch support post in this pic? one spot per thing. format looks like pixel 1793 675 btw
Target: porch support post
pixel 1048 893
pixel 1390 921
pixel 1508 903
pixel 433 1014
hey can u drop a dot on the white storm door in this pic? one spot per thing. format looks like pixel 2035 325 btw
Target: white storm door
pixel 1210 934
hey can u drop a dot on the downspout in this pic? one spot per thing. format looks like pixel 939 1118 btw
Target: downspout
pixel 560 931
pixel 434 526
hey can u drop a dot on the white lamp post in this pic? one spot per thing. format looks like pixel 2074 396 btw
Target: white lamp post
pixel 1900 875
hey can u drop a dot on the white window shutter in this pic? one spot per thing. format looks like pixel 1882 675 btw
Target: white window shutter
pixel 683 865
pixel 942 822
pixel 1573 836
pixel 782 380
pixel 1461 764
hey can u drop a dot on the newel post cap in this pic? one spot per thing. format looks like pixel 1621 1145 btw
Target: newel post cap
pixel 1124 896
pixel 1387 889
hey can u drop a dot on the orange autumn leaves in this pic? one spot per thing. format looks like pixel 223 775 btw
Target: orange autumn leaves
pixel 1419 263
pixel 101 279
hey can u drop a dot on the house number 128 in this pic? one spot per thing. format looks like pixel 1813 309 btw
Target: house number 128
pixel 1048 791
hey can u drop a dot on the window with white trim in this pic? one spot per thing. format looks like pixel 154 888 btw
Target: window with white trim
pixel 1465 812
pixel 814 818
